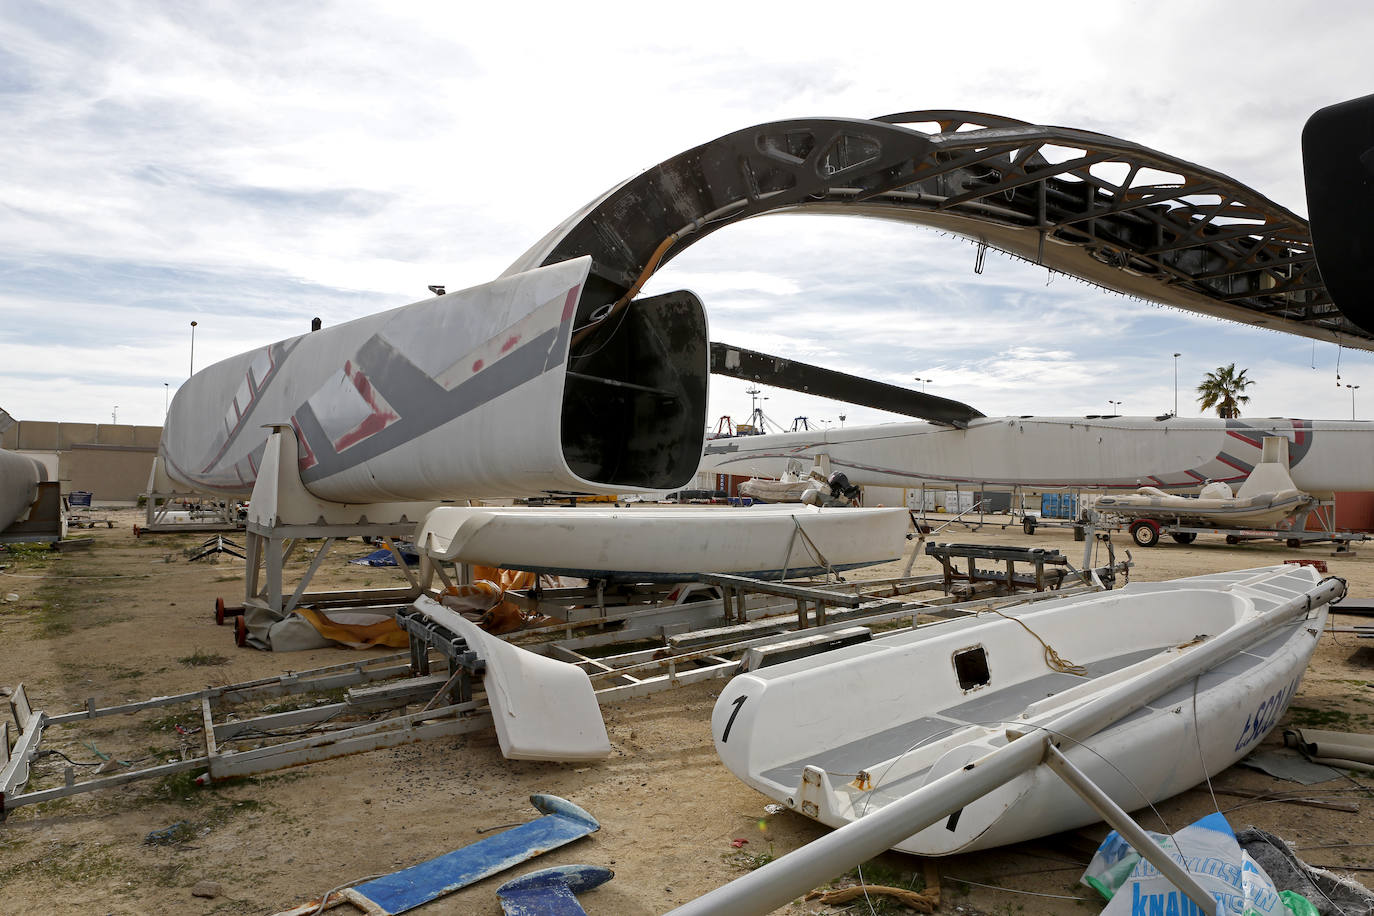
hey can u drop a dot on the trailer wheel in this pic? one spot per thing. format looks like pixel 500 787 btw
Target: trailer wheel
pixel 1028 525
pixel 1145 533
pixel 1184 537
pixel 1293 543
pixel 219 611
pixel 1232 540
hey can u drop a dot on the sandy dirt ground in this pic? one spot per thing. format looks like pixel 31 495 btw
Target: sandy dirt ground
pixel 132 618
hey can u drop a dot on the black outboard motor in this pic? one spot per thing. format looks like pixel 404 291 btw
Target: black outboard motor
pixel 841 493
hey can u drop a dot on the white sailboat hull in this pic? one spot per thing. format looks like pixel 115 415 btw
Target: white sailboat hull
pixel 470 394
pixel 664 543
pixel 1053 453
pixel 842 734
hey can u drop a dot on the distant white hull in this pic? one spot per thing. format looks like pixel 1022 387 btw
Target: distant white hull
pixel 664 543
pixel 844 733
pixel 1063 453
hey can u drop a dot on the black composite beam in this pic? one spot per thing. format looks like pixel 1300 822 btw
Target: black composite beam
pixel 779 372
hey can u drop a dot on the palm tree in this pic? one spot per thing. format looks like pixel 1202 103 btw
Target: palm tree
pixel 1224 389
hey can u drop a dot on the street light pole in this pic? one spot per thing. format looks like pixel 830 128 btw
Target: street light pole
pixel 1176 356
pixel 193 349
pixel 1115 406
pixel 166 398
pixel 1352 388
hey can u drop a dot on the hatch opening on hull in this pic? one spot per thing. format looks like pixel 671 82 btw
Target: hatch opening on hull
pixel 634 400
pixel 971 668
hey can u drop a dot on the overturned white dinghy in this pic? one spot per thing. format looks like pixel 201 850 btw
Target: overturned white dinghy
pixel 1265 498
pixel 665 543
pixel 786 489
pixel 1173 682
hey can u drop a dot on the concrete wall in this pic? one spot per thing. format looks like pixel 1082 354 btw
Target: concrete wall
pixel 113 473
pixel 110 460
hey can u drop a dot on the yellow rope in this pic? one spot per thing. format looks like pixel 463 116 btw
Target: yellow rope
pixel 1052 658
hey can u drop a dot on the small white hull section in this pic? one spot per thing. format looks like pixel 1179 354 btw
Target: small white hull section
pixel 20 476
pixel 845 733
pixel 662 543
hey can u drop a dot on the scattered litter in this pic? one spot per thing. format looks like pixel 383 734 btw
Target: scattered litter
pixel 1332 895
pixel 773 809
pixel 738 842
pixel 551 891
pixel 12 597
pixel 1289 765
pixel 168 836
pixel 1236 881
pixel 210 889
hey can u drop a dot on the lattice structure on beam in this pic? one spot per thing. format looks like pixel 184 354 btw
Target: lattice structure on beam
pixel 1109 211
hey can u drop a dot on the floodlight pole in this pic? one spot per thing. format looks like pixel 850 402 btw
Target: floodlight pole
pixel 1176 356
pixel 193 349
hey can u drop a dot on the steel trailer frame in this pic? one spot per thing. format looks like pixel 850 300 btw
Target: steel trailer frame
pixel 454 704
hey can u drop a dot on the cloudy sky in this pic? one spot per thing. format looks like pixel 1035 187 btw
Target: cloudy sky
pixel 251 166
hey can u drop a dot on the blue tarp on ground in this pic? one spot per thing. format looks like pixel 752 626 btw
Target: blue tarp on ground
pixel 385 557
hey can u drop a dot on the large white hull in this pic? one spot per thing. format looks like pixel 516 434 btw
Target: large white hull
pixel 845 733
pixel 1063 453
pixel 663 543
pixel 474 393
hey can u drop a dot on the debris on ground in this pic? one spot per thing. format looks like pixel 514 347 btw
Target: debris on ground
pixel 1231 876
pixel 1331 894
pixel 168 836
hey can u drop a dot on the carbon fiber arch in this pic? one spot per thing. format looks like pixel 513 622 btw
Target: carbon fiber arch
pixel 1111 212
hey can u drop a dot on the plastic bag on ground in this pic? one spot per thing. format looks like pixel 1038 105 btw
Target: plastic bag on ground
pixel 1208 850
